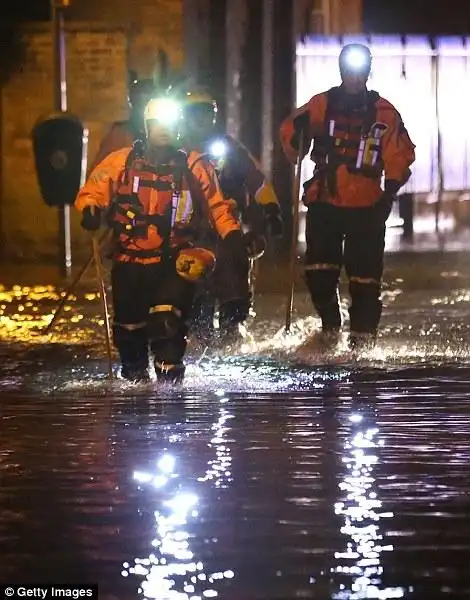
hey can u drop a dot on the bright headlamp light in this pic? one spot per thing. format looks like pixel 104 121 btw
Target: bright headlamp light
pixel 357 60
pixel 218 149
pixel 163 110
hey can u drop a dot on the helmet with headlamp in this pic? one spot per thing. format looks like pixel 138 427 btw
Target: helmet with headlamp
pixel 217 151
pixel 355 59
pixel 163 111
pixel 199 102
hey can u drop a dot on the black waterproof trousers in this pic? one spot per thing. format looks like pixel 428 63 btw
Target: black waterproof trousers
pixel 353 238
pixel 152 304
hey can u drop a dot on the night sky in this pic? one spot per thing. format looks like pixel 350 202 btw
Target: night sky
pixel 380 16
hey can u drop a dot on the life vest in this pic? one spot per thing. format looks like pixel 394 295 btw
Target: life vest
pixel 351 137
pixel 155 208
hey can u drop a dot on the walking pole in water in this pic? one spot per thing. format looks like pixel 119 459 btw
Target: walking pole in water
pixel 295 234
pixel 104 302
pixel 72 287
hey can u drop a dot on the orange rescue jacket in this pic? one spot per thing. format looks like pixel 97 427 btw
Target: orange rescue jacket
pixel 352 148
pixel 156 208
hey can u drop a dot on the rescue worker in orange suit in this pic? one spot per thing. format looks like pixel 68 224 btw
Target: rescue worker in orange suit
pixel 254 201
pixel 158 200
pixel 124 133
pixel 358 136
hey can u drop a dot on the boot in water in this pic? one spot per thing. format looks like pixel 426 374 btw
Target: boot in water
pixel 135 375
pixel 362 342
pixel 167 373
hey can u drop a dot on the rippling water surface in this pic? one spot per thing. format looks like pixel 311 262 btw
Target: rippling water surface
pixel 274 473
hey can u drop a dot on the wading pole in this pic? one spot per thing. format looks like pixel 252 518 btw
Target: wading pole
pixel 104 302
pixel 295 235
pixel 72 287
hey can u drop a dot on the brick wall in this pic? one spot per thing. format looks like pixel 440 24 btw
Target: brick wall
pixel 104 40
pixel 151 24
pixel 97 72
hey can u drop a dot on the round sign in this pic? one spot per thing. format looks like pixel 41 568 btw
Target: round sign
pixel 59 159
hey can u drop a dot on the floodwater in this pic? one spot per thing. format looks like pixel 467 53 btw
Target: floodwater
pixel 274 473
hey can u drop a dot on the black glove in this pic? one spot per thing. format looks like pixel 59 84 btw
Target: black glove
pixel 233 268
pixel 233 252
pixel 301 125
pixel 392 186
pixel 91 218
pixel 273 220
pixel 255 244
pixel 385 202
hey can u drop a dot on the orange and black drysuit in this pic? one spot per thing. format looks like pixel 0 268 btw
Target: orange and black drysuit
pixel 255 203
pixel 156 211
pixel 356 140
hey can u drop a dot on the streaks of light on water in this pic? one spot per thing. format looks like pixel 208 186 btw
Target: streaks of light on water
pixel 355 488
pixel 25 312
pixel 266 359
pixel 274 472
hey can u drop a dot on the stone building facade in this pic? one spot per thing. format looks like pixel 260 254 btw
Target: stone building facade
pixel 245 46
pixel 101 46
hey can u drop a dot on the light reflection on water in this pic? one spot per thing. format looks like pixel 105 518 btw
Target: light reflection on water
pixel 360 565
pixel 406 336
pixel 172 571
pixel 267 364
pixel 25 312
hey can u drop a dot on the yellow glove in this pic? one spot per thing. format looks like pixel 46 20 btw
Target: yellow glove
pixel 193 264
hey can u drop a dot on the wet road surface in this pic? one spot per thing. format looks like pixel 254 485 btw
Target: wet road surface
pixel 275 473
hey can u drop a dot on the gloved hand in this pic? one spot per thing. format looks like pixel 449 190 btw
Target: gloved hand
pixel 301 125
pixel 233 252
pixel 274 222
pixel 385 203
pixel 91 218
pixel 255 244
pixel 392 186
pixel 232 269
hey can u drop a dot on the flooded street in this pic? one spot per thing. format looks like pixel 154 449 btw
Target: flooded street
pixel 274 473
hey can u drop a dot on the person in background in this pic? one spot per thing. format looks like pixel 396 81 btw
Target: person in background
pixel 123 134
pixel 254 202
pixel 358 138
